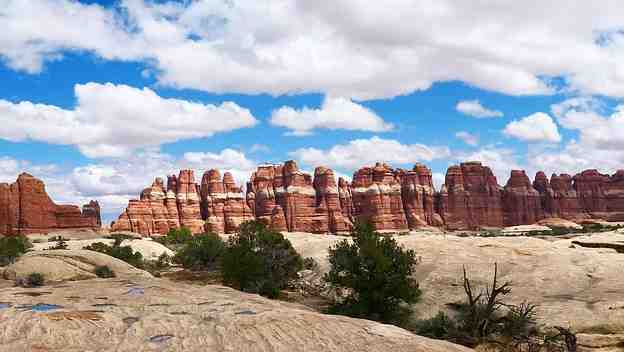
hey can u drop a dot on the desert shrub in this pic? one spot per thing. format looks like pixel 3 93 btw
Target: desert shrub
pixel 310 263
pixel 440 327
pixel 259 260
pixel 103 271
pixel 125 253
pixel 484 318
pixel 377 273
pixel 175 237
pixel 32 280
pixel 202 252
pixel 12 247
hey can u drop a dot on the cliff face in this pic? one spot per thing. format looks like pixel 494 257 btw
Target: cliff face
pixel 25 208
pixel 470 197
pixel 391 199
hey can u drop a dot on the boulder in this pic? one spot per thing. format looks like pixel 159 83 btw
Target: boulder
pixel 159 315
pixel 69 265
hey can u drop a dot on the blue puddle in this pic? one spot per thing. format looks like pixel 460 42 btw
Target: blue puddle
pixel 5 305
pixel 39 307
pixel 135 291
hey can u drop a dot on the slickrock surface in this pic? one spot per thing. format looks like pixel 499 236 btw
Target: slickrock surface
pixel 391 199
pixel 573 285
pixel 26 208
pixel 64 265
pixel 160 315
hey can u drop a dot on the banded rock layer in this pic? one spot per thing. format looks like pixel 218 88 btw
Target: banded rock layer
pixel 390 199
pixel 26 208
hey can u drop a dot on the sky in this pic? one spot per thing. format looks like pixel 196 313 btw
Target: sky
pixel 99 97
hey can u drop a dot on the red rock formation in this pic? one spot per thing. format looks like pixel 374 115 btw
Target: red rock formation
pixel 284 192
pixel 522 204
pixel 288 199
pixel 328 203
pixel 418 196
pixel 223 204
pixel 26 208
pixel 376 194
pixel 588 185
pixel 558 196
pixel 470 197
pixel 346 200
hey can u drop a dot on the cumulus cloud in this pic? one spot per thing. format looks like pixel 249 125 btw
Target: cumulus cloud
pixel 336 113
pixel 538 127
pixel 352 48
pixel 113 120
pixel 468 138
pixel 596 130
pixel 599 144
pixel 360 152
pixel 475 109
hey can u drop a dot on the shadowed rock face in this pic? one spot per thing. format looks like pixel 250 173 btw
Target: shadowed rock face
pixel 288 199
pixel 470 197
pixel 521 202
pixel 26 208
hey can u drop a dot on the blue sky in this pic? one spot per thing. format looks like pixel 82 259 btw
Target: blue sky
pixel 99 97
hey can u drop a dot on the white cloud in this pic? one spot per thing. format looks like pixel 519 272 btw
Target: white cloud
pixel 113 120
pixel 353 48
pixel 600 142
pixel 468 138
pixel 361 152
pixel 475 109
pixel 538 127
pixel 336 113
pixel 596 131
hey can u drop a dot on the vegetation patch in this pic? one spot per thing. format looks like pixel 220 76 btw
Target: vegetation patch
pixel 376 272
pixel 485 319
pixel 103 271
pixel 259 260
pixel 202 252
pixel 125 253
pixel 12 247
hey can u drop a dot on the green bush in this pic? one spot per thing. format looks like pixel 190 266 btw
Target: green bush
pixel 377 273
pixel 35 280
pixel 175 237
pixel 259 260
pixel 124 253
pixel 202 252
pixel 103 271
pixel 12 247
pixel 440 327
